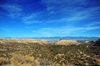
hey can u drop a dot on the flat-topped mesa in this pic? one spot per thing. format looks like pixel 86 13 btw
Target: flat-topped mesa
pixel 66 42
pixel 24 40
pixel 86 41
pixel 40 41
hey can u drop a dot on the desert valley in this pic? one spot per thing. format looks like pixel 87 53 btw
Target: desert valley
pixel 30 52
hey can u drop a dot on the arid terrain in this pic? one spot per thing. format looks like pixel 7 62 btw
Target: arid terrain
pixel 29 52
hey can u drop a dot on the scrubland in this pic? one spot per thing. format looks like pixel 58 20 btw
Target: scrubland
pixel 34 54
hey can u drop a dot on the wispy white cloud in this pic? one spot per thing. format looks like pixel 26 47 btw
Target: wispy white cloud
pixel 30 19
pixel 11 8
pixel 33 31
pixel 69 8
pixel 53 4
pixel 91 28
pixel 31 22
pixel 14 10
pixel 48 2
pixel 5 29
pixel 28 27
pixel 92 24
pixel 63 31
pixel 68 11
pixel 31 16
pixel 15 15
pixel 74 19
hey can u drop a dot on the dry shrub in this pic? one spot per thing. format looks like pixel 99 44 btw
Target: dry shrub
pixel 21 60
pixel 3 60
pixel 98 61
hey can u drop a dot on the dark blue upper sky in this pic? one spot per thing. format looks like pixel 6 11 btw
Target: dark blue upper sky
pixel 48 18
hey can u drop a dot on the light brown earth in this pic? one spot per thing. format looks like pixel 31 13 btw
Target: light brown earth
pixel 66 42
pixel 23 40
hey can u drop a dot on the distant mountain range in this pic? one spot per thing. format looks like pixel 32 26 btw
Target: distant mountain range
pixel 68 37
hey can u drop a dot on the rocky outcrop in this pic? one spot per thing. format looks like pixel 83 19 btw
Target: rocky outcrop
pixel 66 42
pixel 23 40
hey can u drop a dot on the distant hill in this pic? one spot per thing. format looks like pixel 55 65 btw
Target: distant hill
pixel 25 40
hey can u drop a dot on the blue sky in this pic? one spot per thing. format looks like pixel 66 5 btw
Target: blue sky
pixel 49 18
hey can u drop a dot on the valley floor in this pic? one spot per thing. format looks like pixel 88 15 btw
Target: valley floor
pixel 34 54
